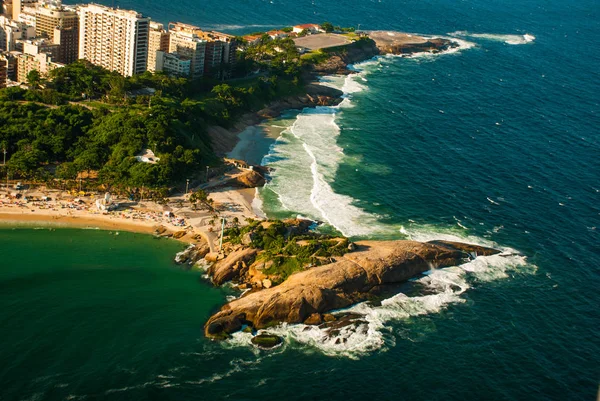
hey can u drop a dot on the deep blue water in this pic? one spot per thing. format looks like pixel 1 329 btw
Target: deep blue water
pixel 499 142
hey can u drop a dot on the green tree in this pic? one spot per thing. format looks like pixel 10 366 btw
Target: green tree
pixel 202 198
pixel 34 79
pixel 327 26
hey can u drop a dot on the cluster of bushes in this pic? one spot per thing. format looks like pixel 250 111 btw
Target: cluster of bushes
pixel 285 251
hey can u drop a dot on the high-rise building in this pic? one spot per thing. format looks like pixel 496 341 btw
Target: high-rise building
pixel 158 41
pixel 19 6
pixel 11 64
pixel 3 71
pixel 61 26
pixel 114 39
pixel 16 9
pixel 220 53
pixel 184 40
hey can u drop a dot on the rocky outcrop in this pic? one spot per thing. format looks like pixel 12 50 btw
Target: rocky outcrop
pixel 338 61
pixel 249 179
pixel 315 95
pixel 337 285
pixel 193 253
pixel 266 340
pixel 232 266
pixel 403 44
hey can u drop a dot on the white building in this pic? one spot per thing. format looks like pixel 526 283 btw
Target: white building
pixel 114 39
pixel 310 28
pixel 158 41
pixel 173 64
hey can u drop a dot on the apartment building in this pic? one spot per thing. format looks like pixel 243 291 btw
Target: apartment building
pixel 38 46
pixel 173 64
pixel 3 71
pixel 27 13
pixel 114 39
pixel 11 64
pixel 221 53
pixel 158 41
pixel 41 62
pixel 184 40
pixel 61 26
pixel 12 31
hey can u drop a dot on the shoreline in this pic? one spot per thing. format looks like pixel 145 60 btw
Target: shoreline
pixel 183 224
pixel 10 220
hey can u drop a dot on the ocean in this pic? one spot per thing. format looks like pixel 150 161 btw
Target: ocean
pixel 496 143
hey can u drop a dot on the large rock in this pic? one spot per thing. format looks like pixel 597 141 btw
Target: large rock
pixel 232 266
pixel 266 340
pixel 250 179
pixel 193 253
pixel 339 284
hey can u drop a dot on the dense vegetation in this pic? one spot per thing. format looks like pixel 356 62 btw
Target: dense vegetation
pixel 287 247
pixel 83 118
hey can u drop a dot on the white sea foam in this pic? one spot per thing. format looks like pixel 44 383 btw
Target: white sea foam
pixel 257 205
pixel 462 46
pixel 306 159
pixel 508 39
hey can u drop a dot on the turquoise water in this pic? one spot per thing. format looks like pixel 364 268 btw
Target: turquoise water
pixel 496 143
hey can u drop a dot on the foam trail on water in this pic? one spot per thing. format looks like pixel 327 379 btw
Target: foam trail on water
pixel 508 39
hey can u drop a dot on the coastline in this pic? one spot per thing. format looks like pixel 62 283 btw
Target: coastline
pixel 83 222
pixel 249 139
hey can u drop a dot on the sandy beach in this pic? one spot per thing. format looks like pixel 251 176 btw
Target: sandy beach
pixel 177 217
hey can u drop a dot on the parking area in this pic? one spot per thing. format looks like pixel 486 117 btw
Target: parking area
pixel 321 41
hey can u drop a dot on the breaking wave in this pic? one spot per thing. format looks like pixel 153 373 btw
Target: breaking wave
pixel 305 160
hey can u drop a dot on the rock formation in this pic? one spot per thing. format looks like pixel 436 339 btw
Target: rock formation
pixel 307 295
pixel 403 43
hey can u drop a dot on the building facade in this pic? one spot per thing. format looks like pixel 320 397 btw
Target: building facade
pixel 173 64
pixel 3 71
pixel 61 26
pixel 41 62
pixel 184 40
pixel 114 39
pixel 12 31
pixel 158 41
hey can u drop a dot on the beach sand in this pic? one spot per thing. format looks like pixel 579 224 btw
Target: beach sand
pixel 143 217
pixel 101 222
pixel 254 143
